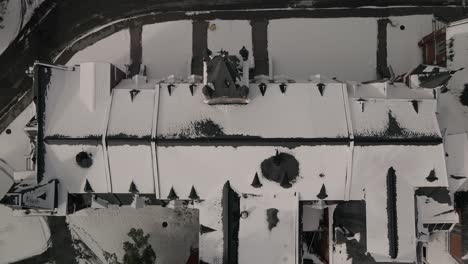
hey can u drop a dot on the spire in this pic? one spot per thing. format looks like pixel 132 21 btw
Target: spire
pixel 205 229
pixel 192 88
pixel 415 104
pixel 321 88
pixel 133 188
pixel 323 193
pixel 87 187
pixel 172 194
pixel 256 181
pixel 263 88
pixel 133 93
pixel 169 88
pixel 193 194
pixel 432 176
pixel 244 53
pixel 43 196
pixel 283 87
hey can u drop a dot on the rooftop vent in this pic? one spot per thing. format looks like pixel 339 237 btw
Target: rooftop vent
pixel 133 188
pixel 172 195
pixel 321 88
pixel 323 193
pixel 84 159
pixel 133 93
pixel 193 194
pixel 87 188
pixel 256 181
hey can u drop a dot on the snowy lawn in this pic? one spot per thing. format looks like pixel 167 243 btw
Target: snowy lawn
pixel 21 237
pixel 172 232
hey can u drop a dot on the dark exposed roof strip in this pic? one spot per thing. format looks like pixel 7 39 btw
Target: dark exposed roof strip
pixel 231 216
pixel 243 141
pixel 392 213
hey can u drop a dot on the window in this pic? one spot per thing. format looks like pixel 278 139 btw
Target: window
pixel 438 227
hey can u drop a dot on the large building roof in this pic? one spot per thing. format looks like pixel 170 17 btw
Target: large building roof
pixel 322 141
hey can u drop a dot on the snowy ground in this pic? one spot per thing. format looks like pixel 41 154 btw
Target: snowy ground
pixel 13 233
pixel 14 14
pixel 106 230
pixel 15 146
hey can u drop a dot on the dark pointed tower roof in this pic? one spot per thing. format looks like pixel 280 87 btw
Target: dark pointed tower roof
pixel 256 181
pixel 206 229
pixel 321 88
pixel 415 104
pixel 133 188
pixel 193 194
pixel 172 195
pixel 323 193
pixel 87 187
pixel 432 176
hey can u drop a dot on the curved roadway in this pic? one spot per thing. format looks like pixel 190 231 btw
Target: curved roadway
pixel 57 23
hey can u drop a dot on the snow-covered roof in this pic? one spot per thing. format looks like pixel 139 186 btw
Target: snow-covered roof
pixel 76 101
pixel 301 112
pixel 268 241
pixel 452 116
pixel 132 164
pixel 60 163
pixel 386 89
pixel 413 166
pixel 431 211
pixel 394 119
pixel 131 113
pixel 182 167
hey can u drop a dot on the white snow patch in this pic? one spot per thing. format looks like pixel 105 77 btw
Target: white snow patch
pixel 299 113
pixel 66 114
pixel 167 49
pixel 60 163
pixel 183 166
pixel 437 249
pixel 114 49
pixel 21 237
pixel 259 244
pixel 301 47
pixel 374 119
pixel 457 36
pixel 339 254
pixel 371 163
pixel 452 115
pixel 131 164
pixel 106 230
pixel 456 146
pixel 211 245
pixel 131 117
